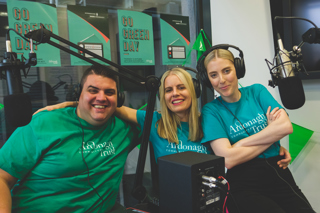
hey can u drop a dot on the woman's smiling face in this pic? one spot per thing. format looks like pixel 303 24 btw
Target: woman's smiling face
pixel 223 78
pixel 177 97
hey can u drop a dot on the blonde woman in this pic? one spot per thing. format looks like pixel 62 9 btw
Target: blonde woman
pixel 245 127
pixel 177 128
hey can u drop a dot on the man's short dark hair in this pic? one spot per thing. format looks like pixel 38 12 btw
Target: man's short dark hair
pixel 98 70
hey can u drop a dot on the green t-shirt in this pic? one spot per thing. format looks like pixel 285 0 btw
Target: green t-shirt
pixel 49 158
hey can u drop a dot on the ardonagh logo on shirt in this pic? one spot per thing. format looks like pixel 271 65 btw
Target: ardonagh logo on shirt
pixel 255 125
pixel 171 147
pixel 105 148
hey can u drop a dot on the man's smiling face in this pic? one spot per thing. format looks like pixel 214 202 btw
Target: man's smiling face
pixel 98 99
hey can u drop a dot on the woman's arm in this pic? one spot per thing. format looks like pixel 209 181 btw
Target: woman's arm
pixel 127 114
pixel 235 155
pixel 58 106
pixel 277 129
pixel 248 148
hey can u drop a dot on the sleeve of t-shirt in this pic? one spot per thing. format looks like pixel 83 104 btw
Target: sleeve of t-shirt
pixel 141 116
pixel 212 124
pixel 265 98
pixel 21 152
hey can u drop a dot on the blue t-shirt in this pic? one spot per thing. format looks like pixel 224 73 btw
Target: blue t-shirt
pixel 251 109
pixel 162 147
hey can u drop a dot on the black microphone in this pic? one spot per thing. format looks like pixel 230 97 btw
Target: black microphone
pixel 290 86
pixel 17 105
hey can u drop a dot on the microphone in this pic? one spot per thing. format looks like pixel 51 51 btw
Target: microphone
pixel 17 105
pixel 290 86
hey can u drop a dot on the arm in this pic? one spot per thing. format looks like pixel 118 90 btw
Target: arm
pixel 279 127
pixel 235 155
pixel 287 158
pixel 7 181
pixel 127 114
pixel 58 106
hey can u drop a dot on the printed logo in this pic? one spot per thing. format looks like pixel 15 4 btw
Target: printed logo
pixel 253 126
pixel 105 149
pixel 171 147
pixel 53 62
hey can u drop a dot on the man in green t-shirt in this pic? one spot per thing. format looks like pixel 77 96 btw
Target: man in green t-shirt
pixel 71 159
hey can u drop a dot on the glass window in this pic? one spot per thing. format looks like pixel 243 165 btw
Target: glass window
pixel 50 85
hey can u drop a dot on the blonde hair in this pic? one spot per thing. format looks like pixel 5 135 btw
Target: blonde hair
pixel 169 122
pixel 218 53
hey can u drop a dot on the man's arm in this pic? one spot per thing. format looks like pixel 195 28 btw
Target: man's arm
pixel 7 181
pixel 284 163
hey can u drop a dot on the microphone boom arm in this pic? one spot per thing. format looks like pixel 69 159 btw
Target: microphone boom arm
pixel 43 36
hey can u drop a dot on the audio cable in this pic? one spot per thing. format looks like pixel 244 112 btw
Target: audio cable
pixel 220 184
pixel 87 167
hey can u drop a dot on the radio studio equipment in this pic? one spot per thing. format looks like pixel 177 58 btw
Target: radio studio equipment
pixel 288 64
pixel 197 175
pixel 17 105
pixel 189 183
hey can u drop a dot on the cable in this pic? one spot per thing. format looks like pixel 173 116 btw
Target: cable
pixel 287 183
pixel 233 114
pixel 83 159
pixel 221 185
pixel 24 38
pixel 228 191
pixel 10 29
pixel 288 17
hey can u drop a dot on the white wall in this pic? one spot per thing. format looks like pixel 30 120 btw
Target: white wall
pixel 247 24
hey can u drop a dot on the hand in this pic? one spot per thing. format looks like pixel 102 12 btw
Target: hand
pixel 57 106
pixel 273 115
pixel 287 158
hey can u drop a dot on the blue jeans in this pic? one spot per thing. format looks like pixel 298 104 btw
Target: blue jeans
pixel 260 186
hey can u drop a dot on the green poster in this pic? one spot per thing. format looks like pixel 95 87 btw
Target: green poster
pixel 135 38
pixel 89 28
pixel 175 39
pixel 24 16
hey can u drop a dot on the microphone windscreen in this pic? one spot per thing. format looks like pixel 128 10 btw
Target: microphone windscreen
pixel 18 109
pixel 291 92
